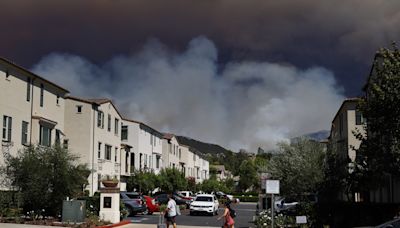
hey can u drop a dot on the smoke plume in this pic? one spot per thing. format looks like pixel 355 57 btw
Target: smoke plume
pixel 244 104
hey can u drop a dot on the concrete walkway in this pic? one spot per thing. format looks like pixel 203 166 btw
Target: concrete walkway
pixel 137 225
pixel 132 225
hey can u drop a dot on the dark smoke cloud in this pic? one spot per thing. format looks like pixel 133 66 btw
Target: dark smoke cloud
pixel 245 105
pixel 339 35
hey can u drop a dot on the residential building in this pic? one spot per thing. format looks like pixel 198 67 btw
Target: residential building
pixel 170 151
pixel 346 122
pixel 220 172
pixel 94 134
pixel 31 110
pixel 146 144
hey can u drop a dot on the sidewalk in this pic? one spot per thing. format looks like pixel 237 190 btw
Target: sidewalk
pixel 137 225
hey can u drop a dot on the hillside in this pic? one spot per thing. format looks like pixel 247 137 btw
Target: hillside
pixel 202 147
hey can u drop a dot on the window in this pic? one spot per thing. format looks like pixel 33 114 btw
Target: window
pixel 359 118
pixel 109 123
pixel 116 154
pixel 116 124
pixel 79 108
pixel 24 139
pixel 7 74
pixel 45 136
pixel 179 153
pixel 99 150
pixel 41 94
pixel 124 133
pixel 151 139
pixel 157 162
pixel 65 144
pixel 7 125
pixel 58 99
pixel 28 89
pixel 58 132
pixel 108 153
pixel 100 119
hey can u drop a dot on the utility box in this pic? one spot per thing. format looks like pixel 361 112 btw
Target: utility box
pixel 73 211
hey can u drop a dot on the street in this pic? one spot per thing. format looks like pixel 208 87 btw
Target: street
pixel 244 211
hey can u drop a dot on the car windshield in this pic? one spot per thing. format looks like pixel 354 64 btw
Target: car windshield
pixel 204 199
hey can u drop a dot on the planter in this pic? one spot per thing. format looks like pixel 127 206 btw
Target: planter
pixel 110 183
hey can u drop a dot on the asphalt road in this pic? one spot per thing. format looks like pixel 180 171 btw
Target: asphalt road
pixel 244 211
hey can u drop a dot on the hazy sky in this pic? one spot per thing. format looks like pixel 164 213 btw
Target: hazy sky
pixel 238 73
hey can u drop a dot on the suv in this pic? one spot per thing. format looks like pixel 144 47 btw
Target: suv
pixel 134 202
pixel 205 203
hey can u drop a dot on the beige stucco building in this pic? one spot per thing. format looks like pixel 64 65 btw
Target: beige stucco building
pixel 31 109
pixel 94 134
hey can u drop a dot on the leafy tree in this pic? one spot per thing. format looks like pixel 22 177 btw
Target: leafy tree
pixel 171 179
pixel 248 175
pixel 379 152
pixel 298 166
pixel 45 176
pixel 142 181
pixel 213 185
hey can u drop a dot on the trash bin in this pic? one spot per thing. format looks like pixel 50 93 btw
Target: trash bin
pixel 73 211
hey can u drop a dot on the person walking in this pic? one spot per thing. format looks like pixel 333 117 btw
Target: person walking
pixel 170 212
pixel 228 220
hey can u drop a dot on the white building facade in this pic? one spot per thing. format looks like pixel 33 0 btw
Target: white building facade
pixel 146 146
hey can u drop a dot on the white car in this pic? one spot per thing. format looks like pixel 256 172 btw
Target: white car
pixel 284 204
pixel 186 193
pixel 205 203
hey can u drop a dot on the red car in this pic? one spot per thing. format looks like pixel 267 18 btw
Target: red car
pixel 152 206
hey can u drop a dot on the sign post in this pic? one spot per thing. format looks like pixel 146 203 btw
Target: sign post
pixel 272 187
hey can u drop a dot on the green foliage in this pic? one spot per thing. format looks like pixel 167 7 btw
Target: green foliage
pixel 298 166
pixel 142 181
pixel 171 179
pixel 248 175
pixel 192 186
pixel 379 152
pixel 45 176
pixel 212 185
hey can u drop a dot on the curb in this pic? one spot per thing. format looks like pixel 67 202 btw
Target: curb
pixel 124 222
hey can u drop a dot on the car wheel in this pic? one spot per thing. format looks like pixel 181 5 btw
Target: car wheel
pixel 191 213
pixel 146 212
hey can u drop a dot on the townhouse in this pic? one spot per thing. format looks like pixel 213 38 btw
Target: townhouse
pixel 170 151
pixel 35 111
pixel 146 146
pixel 94 134
pixel 342 140
pixel 31 110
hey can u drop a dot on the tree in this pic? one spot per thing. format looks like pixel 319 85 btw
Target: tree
pixel 248 175
pixel 299 166
pixel 171 179
pixel 379 152
pixel 142 181
pixel 45 176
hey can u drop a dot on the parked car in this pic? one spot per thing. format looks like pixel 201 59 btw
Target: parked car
pixel 220 195
pixel 283 204
pixel 151 204
pixel 391 224
pixel 162 198
pixel 134 202
pixel 179 194
pixel 187 194
pixel 205 203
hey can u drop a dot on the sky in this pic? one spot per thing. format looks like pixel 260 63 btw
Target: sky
pixel 242 74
